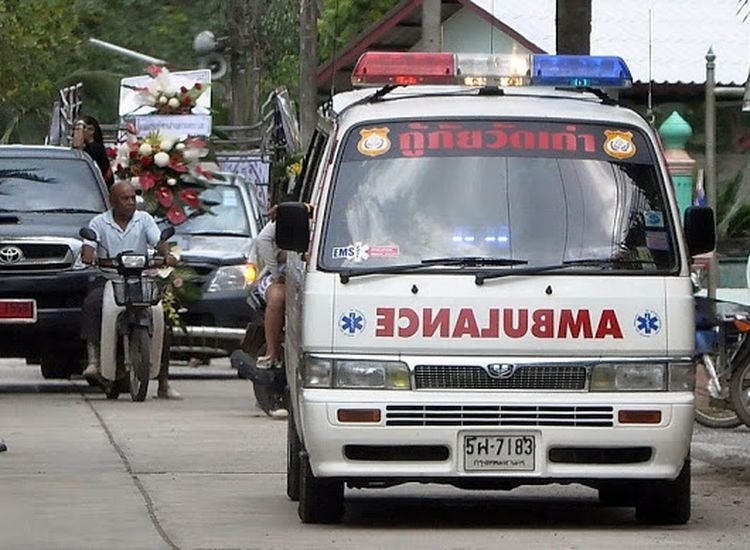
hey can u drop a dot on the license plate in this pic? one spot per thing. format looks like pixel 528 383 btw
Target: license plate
pixel 17 311
pixel 499 452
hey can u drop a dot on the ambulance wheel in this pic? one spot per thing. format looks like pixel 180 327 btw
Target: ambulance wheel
pixel 665 502
pixel 320 500
pixel 293 450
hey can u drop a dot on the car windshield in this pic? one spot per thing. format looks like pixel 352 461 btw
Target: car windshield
pixel 33 184
pixel 228 217
pixel 537 192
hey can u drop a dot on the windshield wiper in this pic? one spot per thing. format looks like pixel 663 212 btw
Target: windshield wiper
pixel 430 262
pixel 66 211
pixel 473 260
pixel 217 233
pixel 596 262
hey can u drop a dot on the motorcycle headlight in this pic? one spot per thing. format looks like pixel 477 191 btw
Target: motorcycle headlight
pixel 232 277
pixel 133 261
pixel 635 377
pixel 355 374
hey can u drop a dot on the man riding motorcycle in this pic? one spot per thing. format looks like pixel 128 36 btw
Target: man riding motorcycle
pixel 123 228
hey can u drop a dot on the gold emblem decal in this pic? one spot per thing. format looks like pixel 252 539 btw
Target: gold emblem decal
pixel 374 141
pixel 619 144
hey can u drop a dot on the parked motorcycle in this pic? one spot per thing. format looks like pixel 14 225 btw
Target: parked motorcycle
pixel 132 330
pixel 723 350
pixel 269 385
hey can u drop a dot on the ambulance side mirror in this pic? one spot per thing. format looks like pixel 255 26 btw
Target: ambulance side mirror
pixel 700 229
pixel 293 226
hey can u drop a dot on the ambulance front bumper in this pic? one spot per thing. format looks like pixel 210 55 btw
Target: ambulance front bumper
pixel 423 435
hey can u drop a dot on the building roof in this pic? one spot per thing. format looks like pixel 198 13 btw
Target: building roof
pixel 682 33
pixel 400 30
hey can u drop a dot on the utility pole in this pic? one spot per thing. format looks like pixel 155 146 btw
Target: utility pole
pixel 573 25
pixel 308 66
pixel 431 17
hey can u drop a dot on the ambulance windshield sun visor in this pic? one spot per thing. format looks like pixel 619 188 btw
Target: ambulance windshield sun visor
pixel 567 71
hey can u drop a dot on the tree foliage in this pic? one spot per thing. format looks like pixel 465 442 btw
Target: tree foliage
pixel 343 20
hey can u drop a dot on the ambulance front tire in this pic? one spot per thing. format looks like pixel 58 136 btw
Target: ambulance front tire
pixel 320 500
pixel 665 502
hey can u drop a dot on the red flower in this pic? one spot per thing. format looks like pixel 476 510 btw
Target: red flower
pixel 203 172
pixel 198 86
pixel 132 154
pixel 186 100
pixel 176 215
pixel 147 161
pixel 190 197
pixel 195 142
pixel 164 196
pixel 147 182
pixel 183 90
pixel 178 166
pixel 112 152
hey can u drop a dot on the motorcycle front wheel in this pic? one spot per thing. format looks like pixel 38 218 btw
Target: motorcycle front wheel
pixel 712 412
pixel 140 362
pixel 739 389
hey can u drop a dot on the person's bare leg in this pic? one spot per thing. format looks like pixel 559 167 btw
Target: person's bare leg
pixel 274 321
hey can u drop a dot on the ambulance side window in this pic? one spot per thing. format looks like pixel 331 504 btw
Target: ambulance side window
pixel 310 166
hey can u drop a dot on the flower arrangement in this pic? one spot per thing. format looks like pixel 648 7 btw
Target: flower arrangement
pixel 165 96
pixel 168 171
pixel 178 287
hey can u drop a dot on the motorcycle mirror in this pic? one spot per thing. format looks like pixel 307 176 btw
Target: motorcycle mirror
pixel 88 234
pixel 167 233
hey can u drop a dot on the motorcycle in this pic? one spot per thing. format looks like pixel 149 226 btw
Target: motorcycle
pixel 723 353
pixel 269 385
pixel 132 331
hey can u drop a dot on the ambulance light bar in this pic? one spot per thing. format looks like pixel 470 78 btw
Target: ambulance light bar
pixel 572 71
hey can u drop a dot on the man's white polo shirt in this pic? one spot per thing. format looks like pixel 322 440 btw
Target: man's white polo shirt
pixel 140 232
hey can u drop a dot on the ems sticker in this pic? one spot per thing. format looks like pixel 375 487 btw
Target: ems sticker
pixel 352 322
pixel 359 252
pixel 647 323
pixel 374 141
pixel 653 218
pixel 619 144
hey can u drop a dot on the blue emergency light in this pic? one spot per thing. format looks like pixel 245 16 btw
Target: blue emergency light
pixel 580 71
pixel 568 71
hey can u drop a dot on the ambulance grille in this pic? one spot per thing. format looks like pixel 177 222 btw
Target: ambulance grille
pixel 454 377
pixel 499 415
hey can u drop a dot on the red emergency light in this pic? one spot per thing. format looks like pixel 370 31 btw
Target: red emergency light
pixel 380 68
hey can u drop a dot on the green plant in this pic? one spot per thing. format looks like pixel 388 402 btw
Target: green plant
pixel 732 212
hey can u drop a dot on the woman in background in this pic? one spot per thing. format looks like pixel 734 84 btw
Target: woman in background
pixel 88 137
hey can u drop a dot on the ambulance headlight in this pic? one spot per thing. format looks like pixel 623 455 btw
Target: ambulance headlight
pixel 629 377
pixel 372 375
pixel 355 374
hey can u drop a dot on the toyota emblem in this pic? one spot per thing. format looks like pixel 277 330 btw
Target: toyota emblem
pixel 501 370
pixel 10 255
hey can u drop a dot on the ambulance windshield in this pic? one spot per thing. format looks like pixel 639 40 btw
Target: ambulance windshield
pixel 540 192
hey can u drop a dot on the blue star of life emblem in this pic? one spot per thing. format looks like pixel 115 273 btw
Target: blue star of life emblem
pixel 648 323
pixel 352 322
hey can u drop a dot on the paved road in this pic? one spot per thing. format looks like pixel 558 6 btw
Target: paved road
pixel 208 472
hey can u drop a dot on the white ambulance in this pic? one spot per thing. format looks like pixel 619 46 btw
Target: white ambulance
pixel 493 289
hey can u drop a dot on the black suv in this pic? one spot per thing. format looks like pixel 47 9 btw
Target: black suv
pixel 46 195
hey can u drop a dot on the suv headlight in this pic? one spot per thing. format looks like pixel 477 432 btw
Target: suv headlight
pixel 232 277
pixel 629 377
pixel 355 374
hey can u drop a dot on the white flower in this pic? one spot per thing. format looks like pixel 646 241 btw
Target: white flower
pixel 191 155
pixel 163 99
pixel 123 150
pixel 166 145
pixel 174 103
pixel 135 181
pixel 171 181
pixel 161 159
pixel 165 272
pixel 145 150
pixel 180 146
